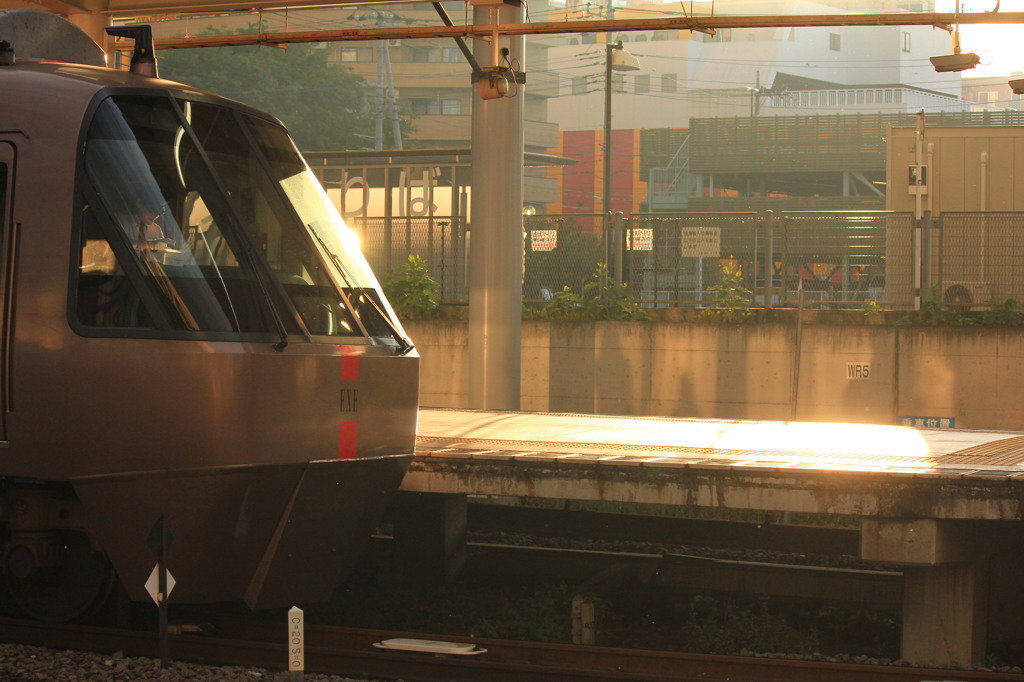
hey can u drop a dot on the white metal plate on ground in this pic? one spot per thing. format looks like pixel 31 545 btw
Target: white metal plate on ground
pixel 430 646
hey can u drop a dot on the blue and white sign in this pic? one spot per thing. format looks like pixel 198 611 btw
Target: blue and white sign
pixel 928 422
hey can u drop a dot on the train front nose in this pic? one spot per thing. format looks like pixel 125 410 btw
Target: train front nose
pixel 273 536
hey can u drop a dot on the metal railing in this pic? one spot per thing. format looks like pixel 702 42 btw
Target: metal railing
pixel 825 259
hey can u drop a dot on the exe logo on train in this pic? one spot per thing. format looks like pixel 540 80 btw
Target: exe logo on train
pixel 349 400
pixel 349 397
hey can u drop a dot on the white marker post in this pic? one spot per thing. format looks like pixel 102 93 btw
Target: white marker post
pixel 296 645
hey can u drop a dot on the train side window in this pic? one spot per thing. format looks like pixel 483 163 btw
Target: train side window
pixel 105 297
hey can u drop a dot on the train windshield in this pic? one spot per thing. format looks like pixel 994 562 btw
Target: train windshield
pixel 204 218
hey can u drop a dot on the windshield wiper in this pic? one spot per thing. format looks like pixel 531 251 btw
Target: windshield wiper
pixel 404 344
pixel 260 269
pixel 282 330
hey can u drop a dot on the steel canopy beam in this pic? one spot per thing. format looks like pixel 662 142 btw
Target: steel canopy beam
pixel 943 20
pixel 131 8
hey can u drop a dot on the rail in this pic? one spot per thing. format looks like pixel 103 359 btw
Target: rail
pixel 350 651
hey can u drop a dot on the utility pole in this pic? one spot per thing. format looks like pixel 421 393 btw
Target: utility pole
pixel 615 59
pixel 387 102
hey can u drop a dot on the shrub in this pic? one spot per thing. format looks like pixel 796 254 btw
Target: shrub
pixel 606 299
pixel 732 300
pixel 412 291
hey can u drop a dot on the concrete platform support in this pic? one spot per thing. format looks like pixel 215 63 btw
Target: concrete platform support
pixel 431 528
pixel 1006 600
pixel 944 614
pixel 945 588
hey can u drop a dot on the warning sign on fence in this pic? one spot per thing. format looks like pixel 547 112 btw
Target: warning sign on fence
pixel 701 242
pixel 640 239
pixel 543 240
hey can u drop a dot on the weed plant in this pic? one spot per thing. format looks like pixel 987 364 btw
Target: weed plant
pixel 412 291
pixel 600 298
pixel 732 300
pixel 934 311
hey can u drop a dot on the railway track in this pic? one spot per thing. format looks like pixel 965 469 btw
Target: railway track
pixel 348 651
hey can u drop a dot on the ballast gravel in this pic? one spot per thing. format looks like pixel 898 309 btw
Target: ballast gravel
pixel 21 663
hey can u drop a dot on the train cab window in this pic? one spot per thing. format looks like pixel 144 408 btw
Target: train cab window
pixel 269 223
pixel 273 188
pixel 106 296
pixel 214 217
pixel 151 223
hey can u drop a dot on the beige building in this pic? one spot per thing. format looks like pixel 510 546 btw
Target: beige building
pixel 968 168
pixel 972 247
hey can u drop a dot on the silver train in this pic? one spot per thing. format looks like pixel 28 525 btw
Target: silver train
pixel 190 337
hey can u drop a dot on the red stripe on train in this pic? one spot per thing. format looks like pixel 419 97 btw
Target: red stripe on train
pixel 349 365
pixel 346 440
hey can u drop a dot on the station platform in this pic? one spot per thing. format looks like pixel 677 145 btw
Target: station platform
pixel 705 442
pixel 944 505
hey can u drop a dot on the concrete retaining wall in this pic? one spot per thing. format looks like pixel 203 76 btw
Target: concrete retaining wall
pixel 851 373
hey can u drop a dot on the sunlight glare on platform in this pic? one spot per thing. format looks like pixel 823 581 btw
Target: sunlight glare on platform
pixel 824 438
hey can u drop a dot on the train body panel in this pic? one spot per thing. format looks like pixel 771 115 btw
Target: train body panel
pixel 119 411
pixel 283 533
pixel 189 335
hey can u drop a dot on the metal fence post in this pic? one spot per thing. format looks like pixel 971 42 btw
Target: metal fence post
pixel 927 225
pixel 769 257
pixel 606 237
pixel 915 263
pixel 618 243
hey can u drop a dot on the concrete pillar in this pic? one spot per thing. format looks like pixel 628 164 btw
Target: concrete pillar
pixel 496 232
pixel 1006 589
pixel 945 586
pixel 944 614
pixel 431 528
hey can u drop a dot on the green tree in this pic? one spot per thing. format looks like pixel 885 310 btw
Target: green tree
pixel 321 104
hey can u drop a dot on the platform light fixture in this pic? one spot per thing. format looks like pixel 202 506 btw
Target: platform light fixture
pixel 958 61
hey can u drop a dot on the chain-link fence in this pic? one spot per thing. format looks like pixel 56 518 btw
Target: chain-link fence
pixel 978 259
pixel 677 259
pixel 440 241
pixel 827 259
pixel 847 258
pixel 561 251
